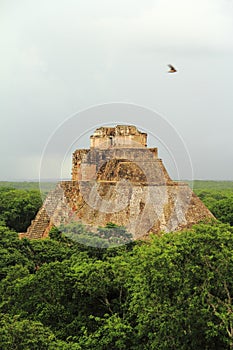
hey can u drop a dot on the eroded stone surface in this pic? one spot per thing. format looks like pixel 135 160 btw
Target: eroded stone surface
pixel 122 181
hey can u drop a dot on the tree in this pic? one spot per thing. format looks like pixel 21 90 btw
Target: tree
pixel 11 251
pixel 18 207
pixel 223 210
pixel 21 334
pixel 182 289
pixel 109 236
pixel 220 203
pixel 170 292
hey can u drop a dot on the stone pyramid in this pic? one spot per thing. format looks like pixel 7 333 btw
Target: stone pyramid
pixel 120 180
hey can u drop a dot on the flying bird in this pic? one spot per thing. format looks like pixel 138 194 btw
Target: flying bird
pixel 172 69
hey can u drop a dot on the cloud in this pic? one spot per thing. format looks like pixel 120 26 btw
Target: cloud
pixel 57 58
pixel 32 59
pixel 200 25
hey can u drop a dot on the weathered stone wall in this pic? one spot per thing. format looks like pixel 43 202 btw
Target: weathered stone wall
pixel 87 163
pixel 145 207
pixel 53 212
pixel 142 208
pixel 122 182
pixel 118 136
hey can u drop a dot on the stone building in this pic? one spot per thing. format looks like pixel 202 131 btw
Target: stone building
pixel 120 180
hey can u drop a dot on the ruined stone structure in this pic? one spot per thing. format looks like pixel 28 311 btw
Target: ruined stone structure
pixel 122 181
pixel 118 137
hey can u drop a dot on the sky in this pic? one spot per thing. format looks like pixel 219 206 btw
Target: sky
pixel 62 60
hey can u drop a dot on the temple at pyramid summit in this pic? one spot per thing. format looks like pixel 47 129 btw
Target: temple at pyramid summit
pixel 122 181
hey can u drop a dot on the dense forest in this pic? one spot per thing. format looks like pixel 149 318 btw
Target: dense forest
pixel 173 291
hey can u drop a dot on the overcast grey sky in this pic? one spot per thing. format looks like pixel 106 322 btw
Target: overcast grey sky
pixel 60 57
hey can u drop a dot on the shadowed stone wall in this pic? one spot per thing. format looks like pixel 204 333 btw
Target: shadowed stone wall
pixel 123 182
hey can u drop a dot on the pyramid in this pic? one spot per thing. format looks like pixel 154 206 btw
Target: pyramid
pixel 122 181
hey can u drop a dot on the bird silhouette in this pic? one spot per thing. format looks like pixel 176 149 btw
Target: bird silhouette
pixel 172 69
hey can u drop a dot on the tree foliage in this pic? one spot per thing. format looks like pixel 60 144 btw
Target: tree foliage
pixel 170 292
pixel 18 207
pixel 220 203
pixel 111 235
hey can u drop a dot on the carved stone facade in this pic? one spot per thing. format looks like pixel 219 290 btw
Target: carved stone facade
pixel 118 137
pixel 122 181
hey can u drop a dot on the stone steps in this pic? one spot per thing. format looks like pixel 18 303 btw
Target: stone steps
pixel 39 226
